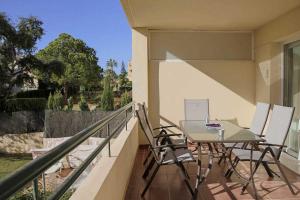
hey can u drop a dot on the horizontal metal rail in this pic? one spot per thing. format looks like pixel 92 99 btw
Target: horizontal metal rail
pixel 33 169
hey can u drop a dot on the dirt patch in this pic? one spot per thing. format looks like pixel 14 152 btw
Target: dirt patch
pixel 20 143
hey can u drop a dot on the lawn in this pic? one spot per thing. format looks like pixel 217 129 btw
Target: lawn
pixel 9 163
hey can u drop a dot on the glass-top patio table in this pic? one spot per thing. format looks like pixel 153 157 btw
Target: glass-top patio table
pixel 197 132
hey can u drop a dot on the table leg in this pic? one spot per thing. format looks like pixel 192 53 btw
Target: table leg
pixel 200 177
pixel 198 180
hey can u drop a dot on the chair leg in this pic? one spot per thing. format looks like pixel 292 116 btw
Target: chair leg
pixel 251 175
pixel 186 177
pixel 150 181
pixel 148 168
pixel 284 176
pixel 268 170
pixel 230 170
pixel 146 159
pixel 221 158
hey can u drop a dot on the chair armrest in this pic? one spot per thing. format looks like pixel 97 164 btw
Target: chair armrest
pixel 166 135
pixel 163 127
pixel 175 146
pixel 272 145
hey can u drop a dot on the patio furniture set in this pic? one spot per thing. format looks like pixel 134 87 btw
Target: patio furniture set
pixel 218 139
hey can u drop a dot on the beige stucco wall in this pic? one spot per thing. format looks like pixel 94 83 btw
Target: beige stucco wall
pixel 200 45
pixel 140 37
pixel 191 64
pixel 110 176
pixel 268 51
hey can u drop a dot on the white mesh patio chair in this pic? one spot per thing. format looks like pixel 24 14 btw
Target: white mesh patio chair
pixel 164 154
pixel 196 109
pixel 269 151
pixel 257 126
pixel 162 131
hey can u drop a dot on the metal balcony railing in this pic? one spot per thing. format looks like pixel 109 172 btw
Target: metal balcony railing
pixel 31 171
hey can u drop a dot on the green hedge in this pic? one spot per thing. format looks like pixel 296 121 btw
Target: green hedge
pixel 33 94
pixel 19 104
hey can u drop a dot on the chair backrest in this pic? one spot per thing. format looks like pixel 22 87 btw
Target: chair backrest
pixel 260 118
pixel 279 124
pixel 143 106
pixel 147 130
pixel 196 109
pixel 144 124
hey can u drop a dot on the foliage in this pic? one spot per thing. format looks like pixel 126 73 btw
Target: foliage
pixel 50 102
pixel 110 65
pixel 33 94
pixel 83 105
pixel 70 103
pixel 27 195
pixel 107 99
pixel 123 82
pixel 56 101
pixel 123 70
pixel 20 104
pixel 17 45
pixel 125 99
pixel 79 61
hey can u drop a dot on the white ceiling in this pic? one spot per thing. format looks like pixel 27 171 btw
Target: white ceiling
pixel 205 14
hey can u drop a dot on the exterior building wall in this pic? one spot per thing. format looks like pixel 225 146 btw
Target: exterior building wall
pixel 195 64
pixel 269 60
pixel 140 90
pixel 268 50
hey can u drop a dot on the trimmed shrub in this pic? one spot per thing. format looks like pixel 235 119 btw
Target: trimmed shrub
pixel 83 105
pixel 20 104
pixel 50 102
pixel 33 94
pixel 56 101
pixel 107 99
pixel 125 99
pixel 70 103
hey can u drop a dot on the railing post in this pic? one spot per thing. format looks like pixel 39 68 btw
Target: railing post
pixel 108 134
pixel 44 182
pixel 126 119
pixel 35 189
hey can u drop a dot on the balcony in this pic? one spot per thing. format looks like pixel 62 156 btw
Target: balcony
pixel 169 185
pixel 230 53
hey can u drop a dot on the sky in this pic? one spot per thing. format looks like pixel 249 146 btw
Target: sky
pixel 102 24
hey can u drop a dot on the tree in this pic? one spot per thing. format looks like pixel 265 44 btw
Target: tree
pixel 123 70
pixel 80 62
pixel 111 64
pixel 107 99
pixel 125 99
pixel 83 105
pixel 17 45
pixel 124 83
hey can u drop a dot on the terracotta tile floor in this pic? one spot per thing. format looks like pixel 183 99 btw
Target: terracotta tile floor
pixel 168 184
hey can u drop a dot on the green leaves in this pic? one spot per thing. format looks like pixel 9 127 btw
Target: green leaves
pixel 107 99
pixel 125 99
pixel 80 61
pixel 17 44
pixel 56 101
